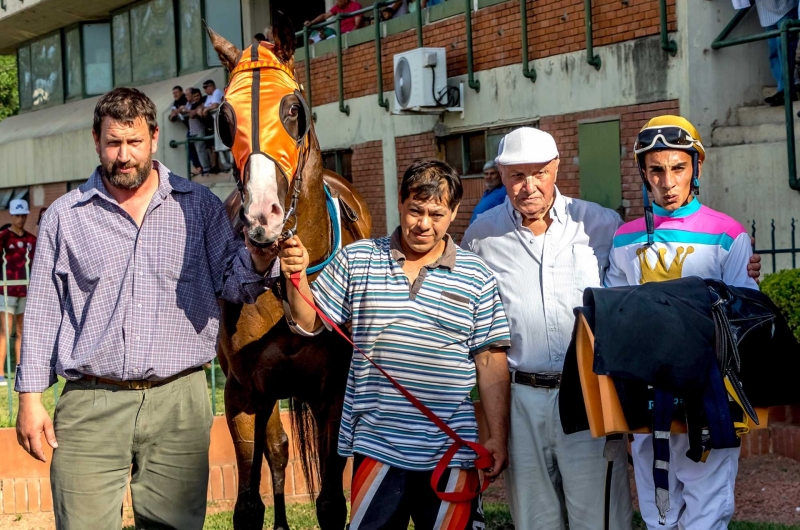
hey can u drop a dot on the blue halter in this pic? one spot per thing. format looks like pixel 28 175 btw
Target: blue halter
pixel 333 213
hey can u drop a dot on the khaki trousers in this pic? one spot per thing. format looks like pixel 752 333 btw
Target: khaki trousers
pixel 160 436
pixel 553 478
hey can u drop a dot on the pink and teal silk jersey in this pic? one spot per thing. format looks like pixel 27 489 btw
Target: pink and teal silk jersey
pixel 694 240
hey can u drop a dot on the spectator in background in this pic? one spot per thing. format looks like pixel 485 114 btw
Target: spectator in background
pixel 342 6
pixel 214 96
pixel 179 101
pixel 495 193
pixel 396 9
pixel 197 128
pixel 412 6
pixel 771 13
pixel 258 38
pixel 18 246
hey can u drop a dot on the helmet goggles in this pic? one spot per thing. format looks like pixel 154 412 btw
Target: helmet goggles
pixel 669 136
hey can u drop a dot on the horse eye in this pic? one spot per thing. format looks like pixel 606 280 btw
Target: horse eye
pixel 294 110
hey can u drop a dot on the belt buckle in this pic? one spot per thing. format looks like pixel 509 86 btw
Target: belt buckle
pixel 139 385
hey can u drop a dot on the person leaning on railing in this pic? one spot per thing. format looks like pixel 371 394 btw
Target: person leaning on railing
pixel 342 6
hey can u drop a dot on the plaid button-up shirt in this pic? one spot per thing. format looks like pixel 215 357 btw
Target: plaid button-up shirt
pixel 110 299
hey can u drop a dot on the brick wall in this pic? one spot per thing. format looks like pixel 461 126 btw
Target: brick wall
pixel 367 168
pixel 564 129
pixel 554 27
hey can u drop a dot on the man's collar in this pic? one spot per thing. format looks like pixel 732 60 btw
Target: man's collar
pixel 558 210
pixel 446 261
pixel 167 183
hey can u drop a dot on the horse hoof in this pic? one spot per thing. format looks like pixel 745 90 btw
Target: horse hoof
pixel 248 514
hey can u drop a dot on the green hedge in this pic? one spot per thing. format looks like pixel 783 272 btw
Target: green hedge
pixel 784 289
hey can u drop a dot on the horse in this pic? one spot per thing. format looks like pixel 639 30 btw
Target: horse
pixel 281 183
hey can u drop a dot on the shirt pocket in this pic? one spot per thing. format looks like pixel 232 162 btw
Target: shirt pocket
pixel 585 268
pixel 455 315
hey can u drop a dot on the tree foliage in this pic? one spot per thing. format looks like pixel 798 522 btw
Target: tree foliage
pixel 9 96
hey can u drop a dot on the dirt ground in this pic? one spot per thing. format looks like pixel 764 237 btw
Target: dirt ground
pixel 767 490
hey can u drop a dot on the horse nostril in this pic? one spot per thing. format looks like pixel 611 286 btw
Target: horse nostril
pixel 277 211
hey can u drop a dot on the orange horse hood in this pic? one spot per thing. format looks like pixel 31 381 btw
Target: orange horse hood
pixel 260 102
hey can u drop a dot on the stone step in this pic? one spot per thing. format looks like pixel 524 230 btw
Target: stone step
pixel 752 134
pixel 764 114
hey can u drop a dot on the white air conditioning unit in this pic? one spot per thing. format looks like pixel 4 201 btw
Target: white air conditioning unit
pixel 420 79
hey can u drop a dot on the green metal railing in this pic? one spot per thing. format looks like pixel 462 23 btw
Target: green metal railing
pixel 473 83
pixel 175 143
pixel 786 27
pixel 9 322
pixel 667 45
pixel 527 70
pixel 591 58
pixel 793 250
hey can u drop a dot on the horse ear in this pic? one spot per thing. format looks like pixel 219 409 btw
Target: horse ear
pixel 281 34
pixel 228 53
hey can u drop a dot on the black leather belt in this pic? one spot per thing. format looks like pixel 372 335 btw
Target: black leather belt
pixel 139 384
pixel 548 380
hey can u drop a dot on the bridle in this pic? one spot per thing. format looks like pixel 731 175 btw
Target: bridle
pixel 257 65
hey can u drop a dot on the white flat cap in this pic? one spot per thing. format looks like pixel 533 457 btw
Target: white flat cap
pixel 526 145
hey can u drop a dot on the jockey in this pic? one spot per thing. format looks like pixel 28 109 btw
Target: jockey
pixel 679 237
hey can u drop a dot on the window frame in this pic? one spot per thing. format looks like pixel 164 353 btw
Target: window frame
pixel 487 131
pixel 339 161
pixel 178 33
pixel 26 44
pixel 176 24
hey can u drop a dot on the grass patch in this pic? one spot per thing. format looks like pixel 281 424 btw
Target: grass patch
pixel 303 517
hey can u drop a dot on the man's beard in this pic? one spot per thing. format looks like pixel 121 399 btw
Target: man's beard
pixel 129 181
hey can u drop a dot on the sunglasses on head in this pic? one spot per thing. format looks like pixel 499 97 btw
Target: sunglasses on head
pixel 671 136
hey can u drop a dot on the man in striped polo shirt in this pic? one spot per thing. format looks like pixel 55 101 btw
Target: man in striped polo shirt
pixel 430 314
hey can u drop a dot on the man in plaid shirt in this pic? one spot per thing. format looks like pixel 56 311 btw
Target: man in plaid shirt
pixel 123 304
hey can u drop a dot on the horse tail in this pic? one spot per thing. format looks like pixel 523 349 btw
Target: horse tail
pixel 305 431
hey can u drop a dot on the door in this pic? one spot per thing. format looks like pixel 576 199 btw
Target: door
pixel 599 163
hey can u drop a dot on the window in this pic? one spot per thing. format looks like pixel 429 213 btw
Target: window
pixel 97 57
pixel 153 41
pixel 121 30
pixel 46 71
pixel 227 21
pixel 24 72
pixel 190 31
pixel 74 69
pixel 339 161
pixel 466 153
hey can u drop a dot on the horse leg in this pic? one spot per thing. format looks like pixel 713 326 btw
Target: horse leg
pixel 331 503
pixel 278 456
pixel 248 441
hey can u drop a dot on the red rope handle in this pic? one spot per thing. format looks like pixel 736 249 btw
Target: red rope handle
pixel 482 462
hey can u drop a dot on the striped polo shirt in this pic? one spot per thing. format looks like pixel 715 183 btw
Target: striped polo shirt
pixel 693 240
pixel 424 334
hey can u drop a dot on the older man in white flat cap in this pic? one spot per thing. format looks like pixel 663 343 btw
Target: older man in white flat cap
pixel 545 250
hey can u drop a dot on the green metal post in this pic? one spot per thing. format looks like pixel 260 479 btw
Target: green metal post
pixel 667 45
pixel 342 107
pixel 788 86
pixel 8 342
pixel 419 25
pixel 740 14
pixel 308 73
pixel 383 102
pixel 189 161
pixel 527 71
pixel 473 83
pixel 214 386
pixel 591 58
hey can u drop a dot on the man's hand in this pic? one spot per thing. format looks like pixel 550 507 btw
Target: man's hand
pixel 500 454
pixel 754 267
pixel 32 421
pixel 293 256
pixel 262 257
